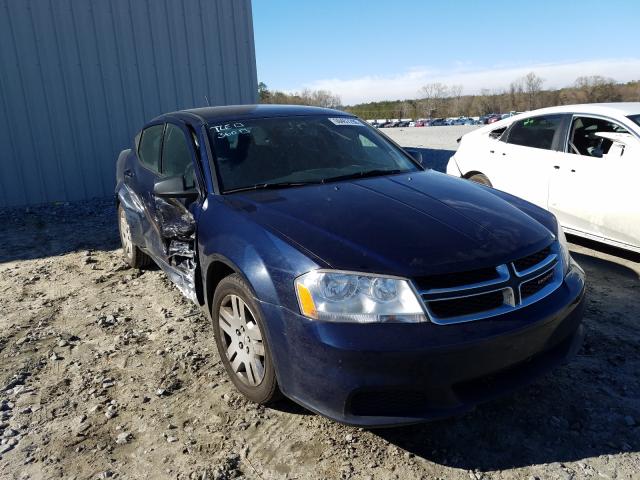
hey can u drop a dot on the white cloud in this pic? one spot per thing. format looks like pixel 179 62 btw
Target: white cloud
pixel 407 85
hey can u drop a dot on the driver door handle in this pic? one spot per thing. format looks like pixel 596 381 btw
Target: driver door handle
pixel 557 167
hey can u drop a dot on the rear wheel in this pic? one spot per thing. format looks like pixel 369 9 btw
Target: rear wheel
pixel 241 342
pixel 481 179
pixel 132 254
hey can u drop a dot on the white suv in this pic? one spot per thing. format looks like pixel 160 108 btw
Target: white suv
pixel 582 162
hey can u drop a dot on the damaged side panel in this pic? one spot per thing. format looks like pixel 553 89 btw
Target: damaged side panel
pixel 166 231
pixel 177 229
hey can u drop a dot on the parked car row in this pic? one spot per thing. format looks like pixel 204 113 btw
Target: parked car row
pixel 440 122
pixel 495 117
pixel 423 122
pixel 392 123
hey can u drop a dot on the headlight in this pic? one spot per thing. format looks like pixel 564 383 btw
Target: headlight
pixel 335 296
pixel 564 249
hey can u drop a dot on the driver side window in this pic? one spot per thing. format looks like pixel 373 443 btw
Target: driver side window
pixel 588 136
pixel 176 155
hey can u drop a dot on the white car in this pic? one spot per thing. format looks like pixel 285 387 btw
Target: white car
pixel 581 162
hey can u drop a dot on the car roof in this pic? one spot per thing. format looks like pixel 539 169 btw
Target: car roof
pixel 613 110
pixel 610 109
pixel 244 112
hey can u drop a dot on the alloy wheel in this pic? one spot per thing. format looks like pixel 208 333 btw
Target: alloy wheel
pixel 242 340
pixel 125 235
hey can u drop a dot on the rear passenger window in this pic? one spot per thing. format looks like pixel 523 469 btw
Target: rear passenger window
pixel 149 148
pixel 535 132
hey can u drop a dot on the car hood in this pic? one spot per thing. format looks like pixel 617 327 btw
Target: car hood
pixel 408 225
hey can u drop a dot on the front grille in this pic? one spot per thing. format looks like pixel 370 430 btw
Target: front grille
pixel 525 263
pixel 477 294
pixel 459 307
pixel 534 286
pixel 458 279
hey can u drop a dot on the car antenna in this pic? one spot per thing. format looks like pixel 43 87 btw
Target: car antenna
pixel 206 99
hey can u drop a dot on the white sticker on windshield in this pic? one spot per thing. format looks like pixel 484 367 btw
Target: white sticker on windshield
pixel 345 121
pixel 230 129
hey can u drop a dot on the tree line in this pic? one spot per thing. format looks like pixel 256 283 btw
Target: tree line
pixel 525 93
pixel 318 98
pixel 441 100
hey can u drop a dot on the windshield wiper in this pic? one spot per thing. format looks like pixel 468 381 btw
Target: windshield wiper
pixel 363 174
pixel 277 185
pixel 268 186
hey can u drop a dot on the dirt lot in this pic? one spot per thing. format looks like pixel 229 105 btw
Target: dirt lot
pixel 108 372
pixel 436 138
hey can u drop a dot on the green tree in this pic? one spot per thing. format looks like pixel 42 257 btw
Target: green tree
pixel 263 92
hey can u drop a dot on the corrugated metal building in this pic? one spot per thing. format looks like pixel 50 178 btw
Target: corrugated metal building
pixel 79 77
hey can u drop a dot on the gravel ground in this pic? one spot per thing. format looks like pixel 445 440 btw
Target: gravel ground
pixel 436 138
pixel 108 373
pixel 437 144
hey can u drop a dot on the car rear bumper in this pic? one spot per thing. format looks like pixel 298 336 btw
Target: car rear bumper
pixel 395 374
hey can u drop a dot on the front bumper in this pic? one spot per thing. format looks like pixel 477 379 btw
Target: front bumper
pixel 395 374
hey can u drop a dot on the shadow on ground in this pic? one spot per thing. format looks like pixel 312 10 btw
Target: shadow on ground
pixel 603 248
pixel 58 229
pixel 530 428
pixel 605 267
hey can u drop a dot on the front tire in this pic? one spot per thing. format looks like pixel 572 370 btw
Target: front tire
pixel 481 179
pixel 241 340
pixel 134 257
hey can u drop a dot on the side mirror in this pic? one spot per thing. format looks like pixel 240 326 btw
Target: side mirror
pixel 173 187
pixel 415 153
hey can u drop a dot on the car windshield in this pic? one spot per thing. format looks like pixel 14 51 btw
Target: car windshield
pixel 289 151
pixel 635 118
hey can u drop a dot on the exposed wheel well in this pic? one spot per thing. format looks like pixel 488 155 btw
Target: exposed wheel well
pixel 471 174
pixel 216 272
pixel 480 178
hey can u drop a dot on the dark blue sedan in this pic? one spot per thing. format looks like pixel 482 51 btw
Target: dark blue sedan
pixel 340 272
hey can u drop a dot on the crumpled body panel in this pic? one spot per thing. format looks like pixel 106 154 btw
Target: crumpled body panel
pixel 166 232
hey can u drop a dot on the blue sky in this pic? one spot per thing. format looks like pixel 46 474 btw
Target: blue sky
pixel 377 49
